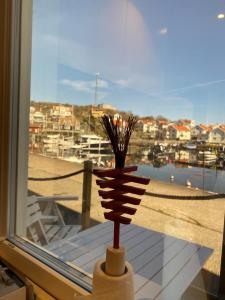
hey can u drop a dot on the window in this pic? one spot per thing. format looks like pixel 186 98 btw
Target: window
pixel 163 63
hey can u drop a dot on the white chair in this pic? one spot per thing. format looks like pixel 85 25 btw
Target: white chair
pixel 45 223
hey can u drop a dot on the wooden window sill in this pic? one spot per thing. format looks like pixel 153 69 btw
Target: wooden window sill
pixel 46 278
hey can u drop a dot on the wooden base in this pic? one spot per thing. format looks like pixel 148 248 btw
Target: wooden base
pixel 115 261
pixel 112 287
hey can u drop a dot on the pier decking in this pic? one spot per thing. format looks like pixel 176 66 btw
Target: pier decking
pixel 164 266
pixel 196 221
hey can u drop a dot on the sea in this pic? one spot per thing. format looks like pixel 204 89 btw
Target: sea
pixel 205 179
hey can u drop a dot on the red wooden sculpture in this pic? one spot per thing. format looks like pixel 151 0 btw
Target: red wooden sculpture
pixel 116 180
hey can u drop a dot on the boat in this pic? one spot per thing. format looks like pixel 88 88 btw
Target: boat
pixel 94 144
pixel 206 157
pixel 66 142
pixel 190 146
pixel 91 147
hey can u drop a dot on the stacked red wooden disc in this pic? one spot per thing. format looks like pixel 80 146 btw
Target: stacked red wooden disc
pixel 117 181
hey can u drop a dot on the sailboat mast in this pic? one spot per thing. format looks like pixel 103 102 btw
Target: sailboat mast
pixel 96 88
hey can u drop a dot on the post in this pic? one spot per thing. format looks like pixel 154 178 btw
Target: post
pixel 86 199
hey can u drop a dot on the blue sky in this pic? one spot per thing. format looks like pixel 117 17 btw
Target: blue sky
pixel 154 56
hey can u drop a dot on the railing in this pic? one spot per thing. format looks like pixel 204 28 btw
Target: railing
pixel 56 177
pixel 87 187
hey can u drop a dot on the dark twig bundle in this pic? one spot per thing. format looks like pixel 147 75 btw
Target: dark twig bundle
pixel 119 133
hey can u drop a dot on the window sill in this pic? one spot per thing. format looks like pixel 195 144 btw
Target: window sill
pixel 49 280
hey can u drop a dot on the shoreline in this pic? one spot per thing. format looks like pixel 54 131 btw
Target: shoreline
pixel 75 166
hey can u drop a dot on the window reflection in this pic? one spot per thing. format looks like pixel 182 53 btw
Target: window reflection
pixel 162 62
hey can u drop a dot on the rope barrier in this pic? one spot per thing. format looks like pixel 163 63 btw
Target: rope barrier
pixel 183 197
pixel 56 177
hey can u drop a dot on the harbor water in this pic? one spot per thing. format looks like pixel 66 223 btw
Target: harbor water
pixel 202 178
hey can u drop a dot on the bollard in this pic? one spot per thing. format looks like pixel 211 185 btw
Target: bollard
pixel 86 197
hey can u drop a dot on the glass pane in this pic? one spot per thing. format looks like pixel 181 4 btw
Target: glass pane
pixel 163 62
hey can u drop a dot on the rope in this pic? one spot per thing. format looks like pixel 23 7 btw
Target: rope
pixel 56 177
pixel 180 197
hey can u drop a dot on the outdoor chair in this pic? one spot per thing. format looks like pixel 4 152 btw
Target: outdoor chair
pixel 45 223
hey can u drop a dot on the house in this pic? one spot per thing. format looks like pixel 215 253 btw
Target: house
pixel 186 122
pixel 37 117
pixel 61 110
pixel 69 123
pixel 162 124
pixel 201 132
pixel 147 126
pixel 217 135
pixel 106 106
pixel 34 136
pixel 96 112
pixel 179 132
pixel 34 129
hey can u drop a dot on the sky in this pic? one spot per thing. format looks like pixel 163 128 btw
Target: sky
pixel 154 57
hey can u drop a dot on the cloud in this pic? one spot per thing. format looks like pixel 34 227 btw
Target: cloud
pixel 163 31
pixel 84 86
pixel 80 86
pixel 190 87
pixel 122 82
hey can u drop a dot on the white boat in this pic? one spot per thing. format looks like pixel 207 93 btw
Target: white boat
pixel 190 146
pixel 94 144
pixel 89 146
pixel 66 142
pixel 51 139
pixel 206 157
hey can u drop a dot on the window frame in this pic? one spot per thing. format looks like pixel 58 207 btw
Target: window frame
pixel 15 64
pixel 15 69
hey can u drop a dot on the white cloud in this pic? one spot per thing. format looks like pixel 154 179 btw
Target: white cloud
pixel 122 82
pixel 190 87
pixel 80 86
pixel 101 84
pixel 84 86
pixel 163 31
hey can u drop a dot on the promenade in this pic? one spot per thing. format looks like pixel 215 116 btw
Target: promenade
pixel 200 221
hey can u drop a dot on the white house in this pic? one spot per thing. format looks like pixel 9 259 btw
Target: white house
pixel 179 132
pixel 37 117
pixel 61 110
pixel 217 135
pixel 107 106
pixel 147 126
pixel 186 122
pixel 201 132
